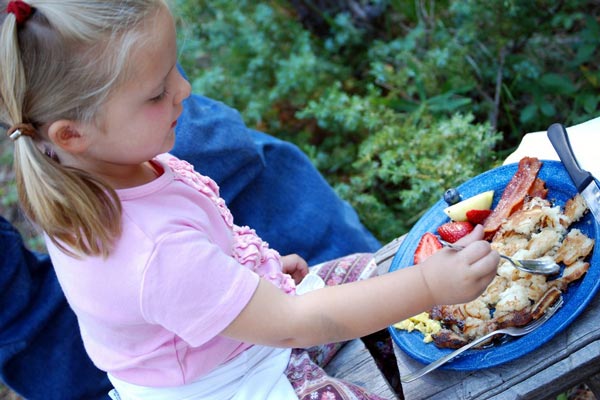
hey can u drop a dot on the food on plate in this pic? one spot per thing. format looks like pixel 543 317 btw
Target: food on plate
pixel 454 230
pixel 534 228
pixel 422 323
pixel 478 217
pixel 452 196
pixel 514 194
pixel 428 245
pixel 458 211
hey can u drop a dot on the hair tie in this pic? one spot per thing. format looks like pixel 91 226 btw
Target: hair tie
pixel 20 9
pixel 18 130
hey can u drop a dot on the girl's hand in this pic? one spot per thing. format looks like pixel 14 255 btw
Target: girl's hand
pixel 295 266
pixel 455 277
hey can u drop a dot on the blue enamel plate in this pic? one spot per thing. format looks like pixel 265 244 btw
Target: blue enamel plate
pixel 579 294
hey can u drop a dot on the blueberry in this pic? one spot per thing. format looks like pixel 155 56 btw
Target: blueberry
pixel 451 196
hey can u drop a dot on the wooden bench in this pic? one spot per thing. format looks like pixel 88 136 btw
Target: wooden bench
pixel 354 363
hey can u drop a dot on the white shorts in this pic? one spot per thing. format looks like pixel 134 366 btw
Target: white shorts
pixel 257 373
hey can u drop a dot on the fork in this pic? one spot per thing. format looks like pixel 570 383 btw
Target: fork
pixel 512 331
pixel 544 267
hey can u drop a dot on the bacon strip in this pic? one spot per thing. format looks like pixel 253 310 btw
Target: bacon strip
pixel 513 195
pixel 538 189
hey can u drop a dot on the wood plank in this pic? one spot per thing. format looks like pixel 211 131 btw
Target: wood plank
pixel 576 368
pixel 354 363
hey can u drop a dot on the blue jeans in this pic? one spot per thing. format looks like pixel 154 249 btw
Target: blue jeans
pixel 269 185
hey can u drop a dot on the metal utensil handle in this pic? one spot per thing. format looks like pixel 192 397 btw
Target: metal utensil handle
pixel 443 360
pixel 560 140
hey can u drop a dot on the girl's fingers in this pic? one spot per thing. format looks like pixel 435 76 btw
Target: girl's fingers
pixel 474 235
pixel 485 267
pixel 475 250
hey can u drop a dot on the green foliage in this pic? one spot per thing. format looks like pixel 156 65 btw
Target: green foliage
pixel 404 166
pixel 534 59
pixel 251 55
pixel 8 189
pixel 396 108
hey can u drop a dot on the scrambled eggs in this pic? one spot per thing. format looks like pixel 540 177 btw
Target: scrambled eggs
pixel 422 323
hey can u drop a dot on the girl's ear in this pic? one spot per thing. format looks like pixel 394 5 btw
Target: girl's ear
pixel 66 135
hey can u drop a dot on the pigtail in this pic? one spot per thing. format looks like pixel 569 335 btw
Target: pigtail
pixel 78 212
pixel 12 78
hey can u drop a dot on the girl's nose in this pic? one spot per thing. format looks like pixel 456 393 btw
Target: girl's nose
pixel 184 89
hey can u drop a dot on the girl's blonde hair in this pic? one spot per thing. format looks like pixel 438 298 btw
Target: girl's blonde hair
pixel 63 62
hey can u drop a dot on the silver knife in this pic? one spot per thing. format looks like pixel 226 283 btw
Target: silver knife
pixel 583 180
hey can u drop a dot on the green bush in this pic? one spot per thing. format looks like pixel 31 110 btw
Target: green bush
pixel 404 99
pixel 403 168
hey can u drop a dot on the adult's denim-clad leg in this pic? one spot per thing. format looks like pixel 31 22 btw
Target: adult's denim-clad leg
pixel 269 185
pixel 41 352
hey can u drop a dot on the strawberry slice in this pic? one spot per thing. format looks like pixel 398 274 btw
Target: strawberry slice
pixel 454 230
pixel 428 245
pixel 477 217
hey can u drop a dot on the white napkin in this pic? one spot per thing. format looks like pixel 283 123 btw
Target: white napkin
pixel 309 283
pixel 584 139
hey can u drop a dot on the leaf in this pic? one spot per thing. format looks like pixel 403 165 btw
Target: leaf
pixel 592 30
pixel 529 113
pixel 590 102
pixel 547 109
pixel 557 84
pixel 585 53
pixel 444 103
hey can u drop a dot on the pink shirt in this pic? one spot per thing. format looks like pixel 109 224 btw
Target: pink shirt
pixel 152 312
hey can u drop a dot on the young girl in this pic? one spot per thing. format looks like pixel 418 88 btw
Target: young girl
pixel 173 299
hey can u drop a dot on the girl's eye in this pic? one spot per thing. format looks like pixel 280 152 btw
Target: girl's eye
pixel 159 97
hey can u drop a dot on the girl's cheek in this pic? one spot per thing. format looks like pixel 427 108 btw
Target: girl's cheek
pixel 155 112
